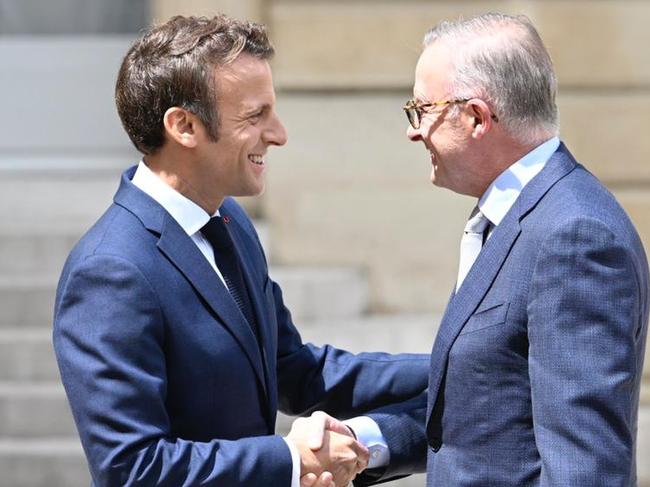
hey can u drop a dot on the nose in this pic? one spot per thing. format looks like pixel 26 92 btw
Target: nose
pixel 275 134
pixel 413 134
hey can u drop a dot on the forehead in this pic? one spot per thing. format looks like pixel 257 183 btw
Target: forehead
pixel 246 81
pixel 433 72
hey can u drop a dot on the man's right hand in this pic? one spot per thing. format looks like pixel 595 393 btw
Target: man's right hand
pixel 340 454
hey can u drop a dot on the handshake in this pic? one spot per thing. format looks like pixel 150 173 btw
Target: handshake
pixel 330 455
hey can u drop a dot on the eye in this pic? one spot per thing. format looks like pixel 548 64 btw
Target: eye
pixel 257 115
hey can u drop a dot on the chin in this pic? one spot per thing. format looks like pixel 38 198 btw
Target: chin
pixel 255 190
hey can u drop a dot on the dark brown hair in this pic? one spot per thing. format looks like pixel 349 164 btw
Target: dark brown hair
pixel 172 65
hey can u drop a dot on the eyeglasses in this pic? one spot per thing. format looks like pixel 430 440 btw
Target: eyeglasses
pixel 414 110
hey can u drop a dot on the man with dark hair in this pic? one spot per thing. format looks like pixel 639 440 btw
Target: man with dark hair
pixel 174 345
pixel 537 364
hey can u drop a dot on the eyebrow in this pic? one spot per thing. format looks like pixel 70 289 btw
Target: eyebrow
pixel 251 110
pixel 420 98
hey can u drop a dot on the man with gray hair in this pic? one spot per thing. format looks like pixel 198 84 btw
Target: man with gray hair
pixel 536 368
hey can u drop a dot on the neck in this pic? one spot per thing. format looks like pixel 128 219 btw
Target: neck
pixel 177 173
pixel 503 154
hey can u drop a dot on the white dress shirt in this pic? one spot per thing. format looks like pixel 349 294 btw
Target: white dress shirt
pixel 191 217
pixel 494 204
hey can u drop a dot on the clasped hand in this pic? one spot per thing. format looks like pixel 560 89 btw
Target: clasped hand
pixel 330 456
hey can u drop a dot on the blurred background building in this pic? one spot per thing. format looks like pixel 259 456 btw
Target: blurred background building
pixel 365 248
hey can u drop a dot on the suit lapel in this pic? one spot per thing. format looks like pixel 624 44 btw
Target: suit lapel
pixel 490 260
pixel 179 248
pixel 469 295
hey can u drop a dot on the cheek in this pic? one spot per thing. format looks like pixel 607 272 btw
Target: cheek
pixel 246 146
pixel 429 137
pixel 438 142
pixel 449 139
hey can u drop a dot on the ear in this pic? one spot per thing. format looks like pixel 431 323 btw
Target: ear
pixel 181 126
pixel 481 117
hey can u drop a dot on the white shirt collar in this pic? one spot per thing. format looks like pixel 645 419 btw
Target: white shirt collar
pixel 190 216
pixel 505 189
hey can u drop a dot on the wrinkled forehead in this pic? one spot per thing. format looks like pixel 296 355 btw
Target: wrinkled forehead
pixel 433 72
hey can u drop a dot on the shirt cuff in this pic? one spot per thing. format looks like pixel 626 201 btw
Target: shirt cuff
pixel 368 434
pixel 295 459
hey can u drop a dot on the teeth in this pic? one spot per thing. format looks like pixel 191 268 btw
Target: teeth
pixel 256 159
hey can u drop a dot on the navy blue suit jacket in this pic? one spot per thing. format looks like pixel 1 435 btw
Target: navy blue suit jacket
pixel 536 368
pixel 166 381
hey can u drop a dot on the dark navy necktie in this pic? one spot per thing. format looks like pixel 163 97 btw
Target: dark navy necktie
pixel 227 260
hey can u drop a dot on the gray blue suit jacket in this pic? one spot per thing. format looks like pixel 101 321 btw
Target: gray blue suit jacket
pixel 536 368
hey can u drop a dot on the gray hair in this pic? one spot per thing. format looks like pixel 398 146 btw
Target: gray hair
pixel 502 59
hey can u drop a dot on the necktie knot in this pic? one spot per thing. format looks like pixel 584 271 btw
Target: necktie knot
pixel 477 222
pixel 217 234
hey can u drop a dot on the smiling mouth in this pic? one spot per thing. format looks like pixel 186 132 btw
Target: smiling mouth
pixel 256 159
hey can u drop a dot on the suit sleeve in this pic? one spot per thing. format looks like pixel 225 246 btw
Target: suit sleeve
pixel 110 345
pixel 339 382
pixel 586 336
pixel 403 428
pixel 311 377
pixel 345 385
